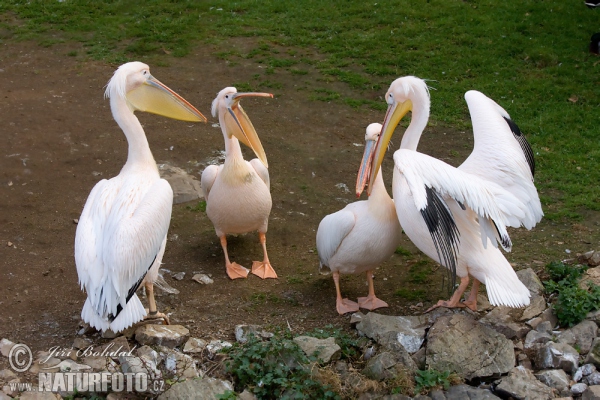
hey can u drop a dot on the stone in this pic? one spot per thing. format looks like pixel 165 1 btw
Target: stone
pixel 462 392
pixel 591 393
pixel 501 320
pixel 325 350
pixel 536 306
pixel 459 343
pixel 544 327
pixel 96 363
pixel 72 366
pixel 587 369
pixel 178 364
pixel 7 375
pixel 5 347
pixel 548 315
pixel 114 349
pixel 404 360
pixel 420 358
pixel 179 276
pixel 554 378
pixel 592 379
pixel 381 367
pixel 409 330
pixel 535 338
pixel 203 279
pixel 578 389
pixel 215 346
pixel 580 335
pixel 197 389
pixel 355 318
pixel 4 396
pixel 162 335
pixel 593 316
pixel 531 281
pixel 185 187
pixel 243 331
pixel 82 343
pixel 591 276
pixel 557 355
pixel 194 345
pixel 38 396
pixel 593 355
pixel 247 395
pixel 522 384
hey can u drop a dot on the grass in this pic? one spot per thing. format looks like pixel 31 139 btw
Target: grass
pixel 530 56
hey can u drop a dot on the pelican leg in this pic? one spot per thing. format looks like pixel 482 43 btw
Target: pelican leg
pixel 471 302
pixel 152 310
pixel 454 301
pixel 234 270
pixel 342 306
pixel 263 269
pixel 371 302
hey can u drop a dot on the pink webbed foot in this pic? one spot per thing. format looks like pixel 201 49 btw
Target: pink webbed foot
pixel 263 270
pixel 344 306
pixel 371 303
pixel 236 271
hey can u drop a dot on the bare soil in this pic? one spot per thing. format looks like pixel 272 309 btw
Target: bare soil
pixel 58 139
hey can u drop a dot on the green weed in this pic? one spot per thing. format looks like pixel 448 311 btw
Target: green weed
pixel 412 295
pixel 402 251
pixel 429 379
pixel 200 207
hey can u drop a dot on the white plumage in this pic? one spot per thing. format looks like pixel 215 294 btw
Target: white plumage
pixel 237 193
pixel 361 236
pixel 451 213
pixel 121 235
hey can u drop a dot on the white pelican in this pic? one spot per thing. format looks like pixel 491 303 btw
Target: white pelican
pixel 237 193
pixel 362 235
pixel 450 213
pixel 122 231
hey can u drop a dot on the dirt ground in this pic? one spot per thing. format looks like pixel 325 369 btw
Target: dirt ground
pixel 58 139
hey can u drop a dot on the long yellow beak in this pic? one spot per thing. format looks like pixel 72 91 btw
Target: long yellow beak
pixel 365 167
pixel 155 97
pixel 394 114
pixel 238 124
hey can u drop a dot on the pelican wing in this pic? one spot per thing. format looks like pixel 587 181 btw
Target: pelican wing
pixel 121 236
pixel 209 175
pixel 502 155
pixel 332 231
pixel 430 179
pixel 261 170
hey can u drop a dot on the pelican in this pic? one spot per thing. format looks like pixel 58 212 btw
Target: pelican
pixel 451 213
pixel 237 193
pixel 122 231
pixel 362 235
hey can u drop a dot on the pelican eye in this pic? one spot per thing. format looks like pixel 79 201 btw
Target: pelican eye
pixel 390 99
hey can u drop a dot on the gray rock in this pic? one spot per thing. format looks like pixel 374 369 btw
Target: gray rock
pixel 197 389
pixel 7 375
pixel 179 276
pixel 326 350
pixel 356 317
pixel 544 327
pixel 247 395
pixel 587 369
pixel 591 393
pixel 4 396
pixel 462 392
pixel 163 335
pixel 242 332
pixel 592 379
pixel 578 389
pixel 96 363
pixel 531 281
pixel 5 347
pixel 178 364
pixel 593 356
pixel 461 344
pixel 185 187
pixel 536 306
pixel 557 355
pixel 409 330
pixel 203 279
pixel 405 361
pixel 521 384
pixel 116 348
pixel 381 367
pixel 132 364
pixel 591 276
pixel 420 358
pixel 82 343
pixel 534 338
pixel 501 320
pixel 215 346
pixel 554 378
pixel 38 396
pixel 594 316
pixel 194 345
pixel 580 335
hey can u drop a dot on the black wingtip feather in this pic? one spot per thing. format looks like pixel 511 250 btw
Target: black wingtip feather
pixel 443 230
pixel 523 143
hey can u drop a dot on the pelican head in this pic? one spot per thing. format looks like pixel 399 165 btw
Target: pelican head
pixel 234 120
pixel 371 137
pixel 402 95
pixel 142 92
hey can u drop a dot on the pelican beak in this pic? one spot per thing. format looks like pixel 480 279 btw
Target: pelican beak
pixel 154 97
pixel 239 125
pixel 394 114
pixel 365 167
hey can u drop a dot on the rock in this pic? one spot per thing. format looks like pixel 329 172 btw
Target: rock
pixel 178 364
pixel 96 363
pixel 593 356
pixel 163 335
pixel 114 349
pixel 38 396
pixel 185 187
pixel 536 306
pixel 197 389
pixel 194 345
pixel 578 389
pixel 409 330
pixel 557 355
pixel 4 396
pixel 585 257
pixel 356 317
pixel 72 366
pixel 535 338
pixel 531 281
pixel 242 332
pixel 203 279
pixel 503 322
pixel 7 375
pixel 179 276
pixel 215 346
pixel 383 366
pixel 521 384
pixel 109 334
pixel 82 343
pixel 5 347
pixel 591 276
pixel 554 378
pixel 544 327
pixel 593 316
pixel 591 393
pixel 462 392
pixel 459 343
pixel 325 350
pixel 592 379
pixel 582 371
pixel 420 358
pixel 403 358
pixel 581 335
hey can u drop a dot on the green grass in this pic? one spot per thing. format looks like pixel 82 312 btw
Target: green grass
pixel 530 56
